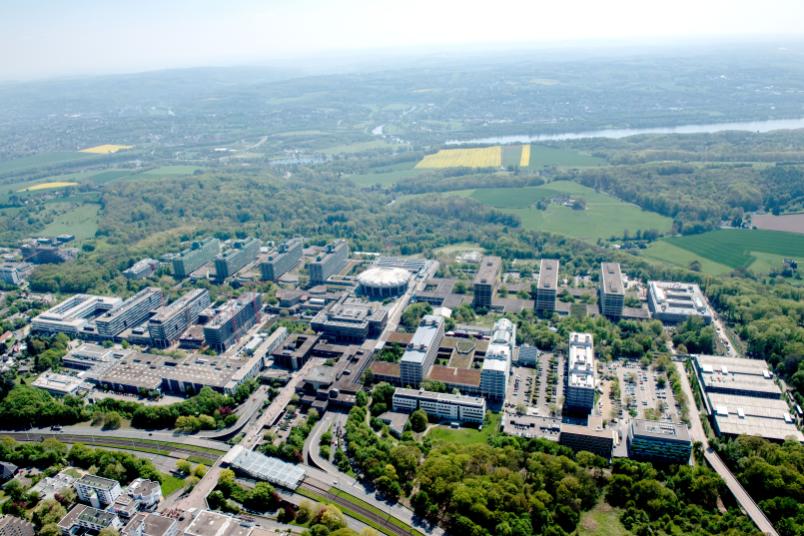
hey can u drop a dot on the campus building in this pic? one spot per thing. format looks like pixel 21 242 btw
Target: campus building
pixel 547 287
pixel 282 259
pixel 612 291
pixel 151 524
pixel 71 315
pixel 736 376
pixel 58 384
pixel 581 385
pixel 350 320
pixel 443 406
pixel 485 282
pixel 170 321
pixel 673 302
pixel 379 282
pixel 330 262
pixel 98 491
pixel 47 251
pixel 194 257
pixel 236 258
pixel 592 437
pixel 735 415
pixel 84 518
pixel 497 361
pixel 421 351
pixel 141 269
pixel 14 273
pixel 659 441
pixel 231 320
pixel 131 312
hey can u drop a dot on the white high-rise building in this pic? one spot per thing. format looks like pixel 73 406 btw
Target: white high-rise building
pixel 581 382
pixel 497 363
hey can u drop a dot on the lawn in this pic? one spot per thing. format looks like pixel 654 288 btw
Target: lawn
pixel 27 163
pixel 81 221
pixel 602 520
pixel 465 436
pixel 171 484
pixel 666 252
pixel 386 176
pixel 604 216
pixel 734 248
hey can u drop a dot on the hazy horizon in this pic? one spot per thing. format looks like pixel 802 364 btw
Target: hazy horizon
pixel 53 39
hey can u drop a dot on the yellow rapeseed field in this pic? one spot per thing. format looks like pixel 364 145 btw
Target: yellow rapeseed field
pixel 484 157
pixel 524 157
pixel 46 185
pixel 106 149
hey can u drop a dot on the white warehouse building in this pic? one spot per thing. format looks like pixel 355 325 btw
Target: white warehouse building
pixel 444 406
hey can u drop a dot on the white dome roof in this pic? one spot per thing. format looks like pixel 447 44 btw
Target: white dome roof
pixel 382 277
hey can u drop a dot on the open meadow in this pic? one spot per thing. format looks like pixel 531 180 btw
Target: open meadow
pixel 756 250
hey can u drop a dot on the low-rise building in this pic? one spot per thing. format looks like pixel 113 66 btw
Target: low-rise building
pixel 659 441
pixel 88 518
pixel 592 437
pixel 281 259
pixel 88 356
pixel 141 269
pixel 735 415
pixel 547 287
pixel 71 315
pixel 97 491
pixel 14 273
pixel 444 406
pixel 150 524
pixel 581 381
pixel 612 290
pixel 14 526
pixel 350 320
pixel 58 384
pixel 146 492
pixel 209 523
pixel 527 355
pixel 736 376
pixel 672 302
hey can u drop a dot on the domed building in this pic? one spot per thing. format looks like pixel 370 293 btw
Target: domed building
pixel 383 282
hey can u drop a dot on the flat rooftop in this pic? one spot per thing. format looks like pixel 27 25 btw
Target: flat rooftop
pixel 61 383
pixel 677 298
pixel 421 394
pixel 581 361
pixel 612 278
pixel 425 337
pixel 665 431
pixel 768 418
pixel 488 271
pixel 98 482
pixel 737 373
pixel 166 312
pixel 257 465
pixel 208 523
pixel 548 274
pixel 225 312
pixel 129 304
pixel 455 375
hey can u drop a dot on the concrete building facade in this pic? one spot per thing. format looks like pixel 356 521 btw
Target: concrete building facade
pixel 131 312
pixel 282 259
pixel 485 281
pixel 497 361
pixel 612 290
pixel 236 258
pixel 330 262
pixel 672 302
pixel 659 441
pixel 98 491
pixel 421 352
pixel 547 287
pixel 71 315
pixel 581 374
pixel 231 320
pixel 194 257
pixel 443 406
pixel 171 320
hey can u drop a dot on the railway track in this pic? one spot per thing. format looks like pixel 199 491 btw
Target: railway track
pixel 120 442
pixel 384 521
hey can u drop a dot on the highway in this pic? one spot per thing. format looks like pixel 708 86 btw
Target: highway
pixel 697 434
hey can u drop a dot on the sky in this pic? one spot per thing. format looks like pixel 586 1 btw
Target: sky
pixel 53 38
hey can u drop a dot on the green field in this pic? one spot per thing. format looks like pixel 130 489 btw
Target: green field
pixel 28 163
pixel 359 147
pixel 605 216
pixel 727 249
pixel 81 221
pixel 602 520
pixel 168 171
pixel 386 176
pixel 171 484
pixel 465 436
pixel 511 155
pixel 548 156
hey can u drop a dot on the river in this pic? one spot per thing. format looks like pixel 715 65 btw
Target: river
pixel 617 133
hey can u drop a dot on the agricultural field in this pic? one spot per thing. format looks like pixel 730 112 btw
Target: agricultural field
pixel 167 171
pixel 793 223
pixel 481 157
pixel 756 250
pixel 48 186
pixel 604 216
pixel 386 176
pixel 43 160
pixel 541 156
pixel 107 148
pixel 81 221
pixel 665 252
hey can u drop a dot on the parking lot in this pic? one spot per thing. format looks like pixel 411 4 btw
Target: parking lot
pixel 540 388
pixel 644 393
